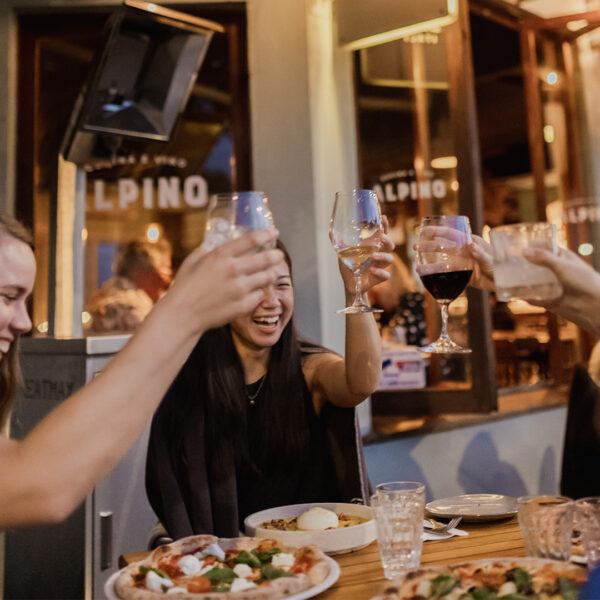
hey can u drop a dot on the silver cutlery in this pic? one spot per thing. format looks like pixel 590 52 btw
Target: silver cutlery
pixel 442 528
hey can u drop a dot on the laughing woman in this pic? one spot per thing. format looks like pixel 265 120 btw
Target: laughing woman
pixel 259 417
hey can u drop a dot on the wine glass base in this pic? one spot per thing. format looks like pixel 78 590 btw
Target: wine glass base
pixel 356 309
pixel 445 347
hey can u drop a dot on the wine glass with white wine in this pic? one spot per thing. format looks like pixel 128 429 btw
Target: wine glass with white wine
pixel 355 232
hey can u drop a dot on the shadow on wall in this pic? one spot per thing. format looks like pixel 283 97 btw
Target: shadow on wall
pixel 548 483
pixel 381 469
pixel 482 472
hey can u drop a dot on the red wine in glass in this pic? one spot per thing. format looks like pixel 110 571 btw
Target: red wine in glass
pixel 447 286
pixel 445 268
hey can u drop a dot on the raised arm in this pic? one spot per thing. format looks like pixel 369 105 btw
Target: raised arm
pixel 45 476
pixel 348 381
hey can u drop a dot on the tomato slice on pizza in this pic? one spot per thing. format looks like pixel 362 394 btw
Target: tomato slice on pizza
pixel 205 567
pixel 492 579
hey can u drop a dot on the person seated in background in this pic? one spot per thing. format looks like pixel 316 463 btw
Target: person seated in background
pixel 142 274
pixel 386 295
pixel 45 476
pixel 259 417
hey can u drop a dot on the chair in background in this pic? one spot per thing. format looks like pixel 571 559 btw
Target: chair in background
pixel 581 451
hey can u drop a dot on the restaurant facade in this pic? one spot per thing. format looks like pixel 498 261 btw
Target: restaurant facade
pixel 282 103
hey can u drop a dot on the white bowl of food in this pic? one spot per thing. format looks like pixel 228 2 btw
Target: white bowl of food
pixel 336 527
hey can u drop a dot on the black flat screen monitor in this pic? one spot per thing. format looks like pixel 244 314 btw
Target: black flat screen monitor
pixel 141 78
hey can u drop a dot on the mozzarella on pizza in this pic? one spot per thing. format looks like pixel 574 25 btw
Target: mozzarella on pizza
pixel 492 579
pixel 207 568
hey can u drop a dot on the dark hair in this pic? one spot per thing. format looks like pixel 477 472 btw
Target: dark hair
pixel 220 387
pixel 10 371
pixel 140 254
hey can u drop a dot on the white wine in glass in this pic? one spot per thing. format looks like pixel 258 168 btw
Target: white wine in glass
pixel 355 232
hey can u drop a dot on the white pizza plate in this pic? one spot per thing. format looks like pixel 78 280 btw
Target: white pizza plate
pixel 474 507
pixel 334 573
pixel 331 541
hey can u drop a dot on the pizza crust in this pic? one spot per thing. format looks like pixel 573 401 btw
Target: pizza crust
pixel 277 589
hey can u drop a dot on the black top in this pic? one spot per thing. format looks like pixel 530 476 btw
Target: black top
pixel 191 494
pixel 311 480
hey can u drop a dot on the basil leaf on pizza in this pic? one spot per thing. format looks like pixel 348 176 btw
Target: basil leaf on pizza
pixel 492 579
pixel 208 568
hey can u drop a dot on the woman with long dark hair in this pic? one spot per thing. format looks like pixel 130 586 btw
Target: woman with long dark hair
pixel 259 417
pixel 46 475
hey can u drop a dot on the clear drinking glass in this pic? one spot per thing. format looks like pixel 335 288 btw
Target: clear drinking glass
pixel 546 523
pixel 445 268
pixel 355 232
pixel 588 518
pixel 232 214
pixel 398 508
pixel 514 275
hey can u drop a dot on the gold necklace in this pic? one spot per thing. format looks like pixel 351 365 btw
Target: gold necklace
pixel 252 398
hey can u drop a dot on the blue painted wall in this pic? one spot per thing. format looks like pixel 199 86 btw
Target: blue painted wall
pixel 515 456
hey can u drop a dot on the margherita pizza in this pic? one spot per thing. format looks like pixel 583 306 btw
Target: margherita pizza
pixel 492 579
pixel 204 567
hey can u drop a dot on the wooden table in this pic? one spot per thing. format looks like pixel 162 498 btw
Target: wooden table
pixel 362 575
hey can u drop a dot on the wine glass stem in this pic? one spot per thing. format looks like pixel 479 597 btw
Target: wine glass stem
pixel 444 333
pixel 357 288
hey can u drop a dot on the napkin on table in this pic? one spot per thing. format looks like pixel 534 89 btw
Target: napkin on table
pixel 436 536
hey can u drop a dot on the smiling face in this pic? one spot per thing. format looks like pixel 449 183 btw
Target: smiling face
pixel 17 274
pixel 263 327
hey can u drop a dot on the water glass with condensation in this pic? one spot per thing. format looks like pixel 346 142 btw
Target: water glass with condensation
pixel 588 519
pixel 546 524
pixel 398 508
pixel 514 275
pixel 230 215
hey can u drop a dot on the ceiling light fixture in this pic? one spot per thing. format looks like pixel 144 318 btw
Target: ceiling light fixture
pixel 444 162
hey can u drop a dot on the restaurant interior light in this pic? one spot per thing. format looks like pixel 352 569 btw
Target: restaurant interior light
pixel 552 78
pixel 577 24
pixel 42 327
pixel 454 186
pixel 585 249
pixel 153 232
pixel 444 162
pixel 548 134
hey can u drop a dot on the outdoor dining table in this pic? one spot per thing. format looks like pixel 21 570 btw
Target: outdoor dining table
pixel 362 574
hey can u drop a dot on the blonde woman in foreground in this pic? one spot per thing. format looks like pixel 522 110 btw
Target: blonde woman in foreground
pixel 44 477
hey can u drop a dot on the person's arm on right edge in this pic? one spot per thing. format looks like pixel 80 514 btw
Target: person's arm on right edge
pixel 580 300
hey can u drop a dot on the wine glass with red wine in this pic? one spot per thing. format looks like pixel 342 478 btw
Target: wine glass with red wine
pixel 445 267
pixel 355 232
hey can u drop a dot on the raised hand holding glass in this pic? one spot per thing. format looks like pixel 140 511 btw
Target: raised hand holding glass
pixel 355 232
pixel 232 214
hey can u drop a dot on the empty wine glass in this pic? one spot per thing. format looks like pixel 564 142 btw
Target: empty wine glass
pixel 355 232
pixel 445 268
pixel 232 214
